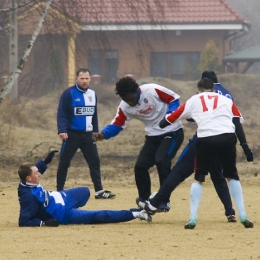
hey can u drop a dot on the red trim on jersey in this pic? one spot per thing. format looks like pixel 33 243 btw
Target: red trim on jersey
pixel 176 114
pixel 235 111
pixel 120 119
pixel 166 98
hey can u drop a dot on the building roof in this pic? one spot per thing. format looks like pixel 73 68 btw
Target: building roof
pixel 152 14
pixel 194 14
pixel 146 11
pixel 250 54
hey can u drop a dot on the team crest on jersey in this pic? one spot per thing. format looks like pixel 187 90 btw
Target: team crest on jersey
pixel 145 100
pixel 90 99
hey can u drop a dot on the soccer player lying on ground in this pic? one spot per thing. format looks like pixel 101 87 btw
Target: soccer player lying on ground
pixel 213 114
pixel 39 207
pixel 185 167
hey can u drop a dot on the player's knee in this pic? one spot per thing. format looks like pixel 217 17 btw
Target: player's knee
pixel 139 167
pixel 64 164
pixel 199 177
pixel 85 192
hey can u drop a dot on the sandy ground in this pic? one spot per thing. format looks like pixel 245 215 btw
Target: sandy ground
pixel 164 238
pixel 23 137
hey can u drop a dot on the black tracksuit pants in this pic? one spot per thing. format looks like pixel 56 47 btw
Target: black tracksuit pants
pixel 159 151
pixel 183 169
pixel 83 141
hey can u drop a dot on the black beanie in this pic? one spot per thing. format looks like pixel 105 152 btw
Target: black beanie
pixel 210 74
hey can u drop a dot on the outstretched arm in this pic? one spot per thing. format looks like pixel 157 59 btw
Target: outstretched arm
pixel 242 139
pixel 42 164
pixel 169 119
pixel 98 137
pixel 108 132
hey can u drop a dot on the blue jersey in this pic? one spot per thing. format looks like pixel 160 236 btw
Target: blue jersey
pixel 32 212
pixel 222 91
pixel 77 110
pixel 38 204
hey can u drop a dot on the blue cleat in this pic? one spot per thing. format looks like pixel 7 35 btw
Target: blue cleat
pixel 164 207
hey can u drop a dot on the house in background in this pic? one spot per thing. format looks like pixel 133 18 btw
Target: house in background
pixel 114 38
pixel 157 38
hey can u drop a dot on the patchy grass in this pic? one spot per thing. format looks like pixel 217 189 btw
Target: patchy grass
pixel 28 128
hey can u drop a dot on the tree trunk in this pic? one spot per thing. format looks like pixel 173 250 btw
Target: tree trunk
pixel 14 75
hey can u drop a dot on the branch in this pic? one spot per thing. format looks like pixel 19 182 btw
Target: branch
pixel 51 147
pixel 14 75
pixel 19 6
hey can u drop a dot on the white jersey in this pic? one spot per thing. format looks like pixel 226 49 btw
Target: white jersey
pixel 151 108
pixel 212 112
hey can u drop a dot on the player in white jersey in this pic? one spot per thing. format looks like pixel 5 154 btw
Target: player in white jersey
pixel 148 103
pixel 213 114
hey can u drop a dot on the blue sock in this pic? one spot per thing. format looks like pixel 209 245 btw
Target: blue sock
pixel 236 192
pixel 195 196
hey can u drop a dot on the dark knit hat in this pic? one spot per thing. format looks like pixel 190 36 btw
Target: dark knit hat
pixel 210 74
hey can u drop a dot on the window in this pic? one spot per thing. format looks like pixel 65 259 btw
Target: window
pixel 176 65
pixel 194 59
pixel 179 63
pixel 159 64
pixel 183 64
pixel 103 63
pixel 95 62
pixel 111 66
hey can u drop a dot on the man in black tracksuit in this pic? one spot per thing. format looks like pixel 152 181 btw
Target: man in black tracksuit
pixel 77 120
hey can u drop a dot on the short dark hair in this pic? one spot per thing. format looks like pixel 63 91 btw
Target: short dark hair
pixel 25 170
pixel 125 86
pixel 210 74
pixel 82 70
pixel 205 84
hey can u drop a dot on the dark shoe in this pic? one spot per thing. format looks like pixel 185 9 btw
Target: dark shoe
pixel 247 223
pixel 164 207
pixel 231 218
pixel 106 194
pixel 148 209
pixel 191 224
pixel 145 205
pixel 140 203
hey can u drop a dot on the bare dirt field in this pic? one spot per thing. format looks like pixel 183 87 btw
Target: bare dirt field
pixel 28 132
pixel 164 238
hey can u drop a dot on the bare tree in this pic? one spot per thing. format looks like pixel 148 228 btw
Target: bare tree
pixel 72 10
pixel 14 75
pixel 2 10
